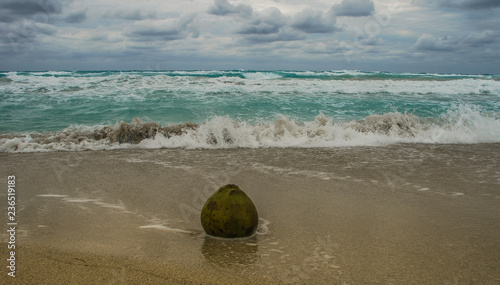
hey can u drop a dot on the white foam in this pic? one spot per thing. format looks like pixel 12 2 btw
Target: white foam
pixel 136 86
pixel 52 196
pixel 464 125
pixel 263 227
pixel 261 75
pixel 461 124
pixel 120 206
pixel 165 228
pixel 78 200
pixel 52 73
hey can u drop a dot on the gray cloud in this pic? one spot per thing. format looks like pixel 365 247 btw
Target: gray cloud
pixel 163 30
pixel 19 10
pixel 260 28
pixel 482 38
pixel 312 21
pixel 282 35
pixel 30 7
pixel 132 15
pixel 371 41
pixel 328 47
pixel 27 21
pixel 45 29
pixel 272 21
pixel 269 22
pixel 76 17
pixel 41 34
pixel 270 25
pixel 470 4
pixel 267 26
pixel 354 8
pixel 223 7
pixel 22 37
pixel 155 34
pixel 428 42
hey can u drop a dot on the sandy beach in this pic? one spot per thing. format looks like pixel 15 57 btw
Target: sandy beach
pixel 400 214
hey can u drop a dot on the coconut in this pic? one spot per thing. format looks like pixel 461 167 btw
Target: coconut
pixel 229 213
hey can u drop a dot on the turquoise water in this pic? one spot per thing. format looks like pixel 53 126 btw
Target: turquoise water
pixel 54 101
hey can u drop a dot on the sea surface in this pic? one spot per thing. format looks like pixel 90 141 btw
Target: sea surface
pixel 358 177
pixel 94 110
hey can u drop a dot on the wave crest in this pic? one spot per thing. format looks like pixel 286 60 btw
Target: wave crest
pixel 139 130
pixel 394 123
pixel 462 124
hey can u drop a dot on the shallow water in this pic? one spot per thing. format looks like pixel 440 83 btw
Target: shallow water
pixel 406 213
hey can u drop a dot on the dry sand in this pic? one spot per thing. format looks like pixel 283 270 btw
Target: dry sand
pixel 404 214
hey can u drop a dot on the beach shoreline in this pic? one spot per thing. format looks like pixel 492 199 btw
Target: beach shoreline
pixel 401 214
pixel 52 265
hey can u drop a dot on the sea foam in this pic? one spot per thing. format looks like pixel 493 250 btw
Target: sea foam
pixel 461 124
pixel 80 110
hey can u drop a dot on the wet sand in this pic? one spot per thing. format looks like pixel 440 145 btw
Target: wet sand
pixel 402 214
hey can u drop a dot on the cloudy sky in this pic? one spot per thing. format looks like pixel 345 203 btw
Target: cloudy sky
pixel 446 36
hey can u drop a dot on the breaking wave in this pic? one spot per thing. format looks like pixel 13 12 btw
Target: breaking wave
pixel 462 124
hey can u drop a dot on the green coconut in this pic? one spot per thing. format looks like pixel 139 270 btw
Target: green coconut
pixel 229 213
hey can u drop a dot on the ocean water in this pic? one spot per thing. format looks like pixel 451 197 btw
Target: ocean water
pixel 92 110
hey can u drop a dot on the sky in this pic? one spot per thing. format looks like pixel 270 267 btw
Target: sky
pixel 436 36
